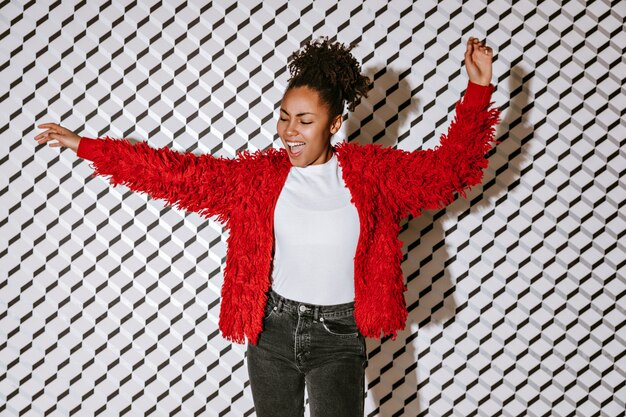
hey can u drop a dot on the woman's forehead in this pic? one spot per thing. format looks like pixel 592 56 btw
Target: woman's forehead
pixel 302 100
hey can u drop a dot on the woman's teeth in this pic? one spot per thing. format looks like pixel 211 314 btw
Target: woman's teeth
pixel 296 145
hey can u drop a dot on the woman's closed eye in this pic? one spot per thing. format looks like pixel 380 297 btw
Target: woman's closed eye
pixel 303 122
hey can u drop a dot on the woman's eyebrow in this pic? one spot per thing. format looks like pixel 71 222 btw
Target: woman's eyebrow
pixel 299 114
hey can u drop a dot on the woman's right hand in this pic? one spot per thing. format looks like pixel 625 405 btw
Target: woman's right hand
pixel 64 137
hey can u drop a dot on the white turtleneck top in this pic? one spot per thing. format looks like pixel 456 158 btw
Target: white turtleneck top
pixel 316 228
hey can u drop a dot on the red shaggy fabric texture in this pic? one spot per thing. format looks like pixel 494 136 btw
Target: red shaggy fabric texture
pixel 386 185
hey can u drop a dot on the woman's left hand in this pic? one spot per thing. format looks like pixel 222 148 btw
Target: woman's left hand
pixel 478 64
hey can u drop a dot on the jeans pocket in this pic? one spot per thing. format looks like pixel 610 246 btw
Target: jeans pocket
pixel 270 310
pixel 343 325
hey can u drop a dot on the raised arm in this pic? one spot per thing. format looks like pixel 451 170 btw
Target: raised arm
pixel 427 179
pixel 200 183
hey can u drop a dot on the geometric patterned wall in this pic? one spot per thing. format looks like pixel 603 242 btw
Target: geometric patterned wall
pixel 109 300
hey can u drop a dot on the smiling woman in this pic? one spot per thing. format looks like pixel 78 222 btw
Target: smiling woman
pixel 305 127
pixel 313 260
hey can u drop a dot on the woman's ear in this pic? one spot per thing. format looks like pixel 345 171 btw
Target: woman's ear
pixel 336 124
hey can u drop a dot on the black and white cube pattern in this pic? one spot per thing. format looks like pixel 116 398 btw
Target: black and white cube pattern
pixel 109 300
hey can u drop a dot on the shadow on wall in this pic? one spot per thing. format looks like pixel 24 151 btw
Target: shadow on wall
pixel 430 295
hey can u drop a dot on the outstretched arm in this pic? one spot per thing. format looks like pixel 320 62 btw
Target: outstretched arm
pixel 200 183
pixel 427 179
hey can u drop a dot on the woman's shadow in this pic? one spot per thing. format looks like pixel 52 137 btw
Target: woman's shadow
pixel 391 373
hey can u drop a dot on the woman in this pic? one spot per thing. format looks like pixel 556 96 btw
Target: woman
pixel 313 261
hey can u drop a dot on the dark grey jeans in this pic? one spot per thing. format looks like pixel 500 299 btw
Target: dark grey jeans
pixel 317 344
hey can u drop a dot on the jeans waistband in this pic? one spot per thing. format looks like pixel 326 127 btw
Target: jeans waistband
pixel 316 310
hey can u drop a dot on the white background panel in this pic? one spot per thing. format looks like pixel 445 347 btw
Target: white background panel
pixel 109 300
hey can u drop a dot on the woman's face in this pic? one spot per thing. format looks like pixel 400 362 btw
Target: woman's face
pixel 305 123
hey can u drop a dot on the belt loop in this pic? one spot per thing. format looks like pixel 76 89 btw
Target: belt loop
pixel 280 304
pixel 316 313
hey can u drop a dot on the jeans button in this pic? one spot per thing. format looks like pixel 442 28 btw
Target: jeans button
pixel 302 308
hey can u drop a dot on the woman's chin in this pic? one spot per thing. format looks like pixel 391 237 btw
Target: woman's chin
pixel 297 162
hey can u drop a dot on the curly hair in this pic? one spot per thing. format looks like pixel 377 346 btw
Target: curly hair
pixel 330 69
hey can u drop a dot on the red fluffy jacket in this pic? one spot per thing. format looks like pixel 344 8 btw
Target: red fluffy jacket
pixel 386 185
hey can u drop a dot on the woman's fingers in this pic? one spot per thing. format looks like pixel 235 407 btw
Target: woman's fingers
pixel 469 51
pixel 48 136
pixel 474 45
pixel 43 135
pixel 54 127
pixel 478 45
pixel 470 48
pixel 50 126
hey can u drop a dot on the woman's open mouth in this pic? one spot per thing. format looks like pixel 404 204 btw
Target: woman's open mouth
pixel 295 148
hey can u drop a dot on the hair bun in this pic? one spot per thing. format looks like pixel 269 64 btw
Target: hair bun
pixel 323 64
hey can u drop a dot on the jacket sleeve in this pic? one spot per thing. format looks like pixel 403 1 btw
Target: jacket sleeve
pixel 200 183
pixel 427 179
